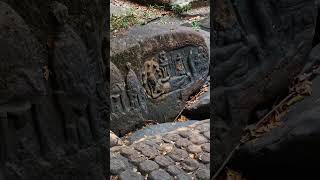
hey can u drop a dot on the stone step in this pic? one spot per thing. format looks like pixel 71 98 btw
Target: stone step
pixel 157 129
pixel 180 154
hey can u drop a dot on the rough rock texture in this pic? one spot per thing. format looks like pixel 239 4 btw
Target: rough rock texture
pixel 200 109
pixel 259 48
pixel 180 3
pixel 168 63
pixel 159 157
pixel 115 140
pixel 53 104
pixel 158 129
pixel 288 151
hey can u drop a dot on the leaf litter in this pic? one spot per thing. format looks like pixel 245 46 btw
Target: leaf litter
pixel 300 88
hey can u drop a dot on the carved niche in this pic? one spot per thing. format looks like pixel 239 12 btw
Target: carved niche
pixel 169 71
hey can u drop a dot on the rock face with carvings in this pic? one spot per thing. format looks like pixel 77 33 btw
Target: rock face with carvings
pixel 293 126
pixel 52 91
pixel 166 65
pixel 260 46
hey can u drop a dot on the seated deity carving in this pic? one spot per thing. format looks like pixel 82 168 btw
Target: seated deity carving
pixel 154 80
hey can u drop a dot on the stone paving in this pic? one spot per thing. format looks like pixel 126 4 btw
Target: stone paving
pixel 183 154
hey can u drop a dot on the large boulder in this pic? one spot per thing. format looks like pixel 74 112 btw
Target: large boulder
pixel 200 108
pixel 52 91
pixel 259 48
pixel 160 66
pixel 289 151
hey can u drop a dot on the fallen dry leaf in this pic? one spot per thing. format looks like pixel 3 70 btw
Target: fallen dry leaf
pixel 182 118
pixel 150 122
pixel 46 72
pixel 304 88
pixel 233 175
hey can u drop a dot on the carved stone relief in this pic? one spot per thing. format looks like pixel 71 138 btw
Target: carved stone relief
pixel 161 74
pixel 48 98
pixel 119 99
pixel 135 91
pixel 169 71
pixel 162 77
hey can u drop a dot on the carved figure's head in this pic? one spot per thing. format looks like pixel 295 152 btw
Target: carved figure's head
pixel 60 12
pixel 162 54
pixel 178 57
pixel 117 82
pixel 128 65
pixel 200 49
pixel 21 76
pixel 151 71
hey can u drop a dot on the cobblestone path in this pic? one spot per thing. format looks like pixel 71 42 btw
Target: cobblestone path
pixel 183 154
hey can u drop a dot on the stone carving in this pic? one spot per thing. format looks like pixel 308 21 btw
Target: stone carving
pixel 180 69
pixel 164 64
pixel 136 94
pixel 21 81
pixel 154 80
pixel 163 75
pixel 119 99
pixel 193 62
pixel 70 70
pixel 44 119
pixel 128 100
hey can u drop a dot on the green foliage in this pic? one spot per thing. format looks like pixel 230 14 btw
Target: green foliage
pixel 156 6
pixel 131 18
pixel 125 21
pixel 178 9
pixel 195 25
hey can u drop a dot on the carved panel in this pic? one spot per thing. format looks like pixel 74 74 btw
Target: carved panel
pixel 169 71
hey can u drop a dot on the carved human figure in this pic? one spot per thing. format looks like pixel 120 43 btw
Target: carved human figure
pixel 164 64
pixel 191 63
pixel 134 90
pixel 116 103
pixel 22 84
pixel 71 74
pixel 153 80
pixel 180 66
pixel 200 56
